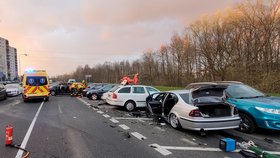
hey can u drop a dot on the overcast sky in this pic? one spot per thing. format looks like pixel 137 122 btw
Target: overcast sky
pixel 59 35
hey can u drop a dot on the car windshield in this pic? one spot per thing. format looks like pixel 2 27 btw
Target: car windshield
pixel 242 91
pixel 36 80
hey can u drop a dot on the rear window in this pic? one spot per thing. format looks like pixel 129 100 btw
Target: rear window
pixel 151 90
pixel 185 97
pixel 138 90
pixel 114 89
pixel 124 90
pixel 36 80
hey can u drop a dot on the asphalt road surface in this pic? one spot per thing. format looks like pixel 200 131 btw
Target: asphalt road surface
pixel 76 127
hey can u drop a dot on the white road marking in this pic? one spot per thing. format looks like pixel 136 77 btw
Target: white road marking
pixel 164 150
pixel 161 150
pixel 106 116
pixel 100 112
pixel 94 108
pixel 132 118
pixel 59 109
pixel 28 133
pixel 190 148
pixel 138 135
pixel 114 120
pixel 125 127
pixel 188 141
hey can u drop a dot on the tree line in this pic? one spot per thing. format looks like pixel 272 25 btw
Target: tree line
pixel 240 44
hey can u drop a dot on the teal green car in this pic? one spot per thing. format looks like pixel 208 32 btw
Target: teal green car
pixel 255 108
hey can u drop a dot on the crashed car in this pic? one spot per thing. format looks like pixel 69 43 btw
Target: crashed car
pixel 200 109
pixel 256 109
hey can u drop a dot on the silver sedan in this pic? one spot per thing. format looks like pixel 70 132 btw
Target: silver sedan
pixel 199 109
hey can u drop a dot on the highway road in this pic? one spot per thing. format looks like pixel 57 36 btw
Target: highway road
pixel 76 127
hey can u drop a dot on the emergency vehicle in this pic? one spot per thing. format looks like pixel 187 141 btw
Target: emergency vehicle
pixel 36 85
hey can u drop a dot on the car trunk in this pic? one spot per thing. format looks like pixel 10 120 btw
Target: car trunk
pixel 210 101
pixel 215 110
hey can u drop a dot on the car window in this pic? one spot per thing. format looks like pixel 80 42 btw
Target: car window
pixel 243 91
pixel 108 87
pixel 138 90
pixel 185 97
pixel 36 80
pixel 173 97
pixel 151 90
pixel 114 89
pixel 124 90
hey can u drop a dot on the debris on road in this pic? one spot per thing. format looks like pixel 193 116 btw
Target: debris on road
pixel 127 135
pixel 271 141
pixel 113 126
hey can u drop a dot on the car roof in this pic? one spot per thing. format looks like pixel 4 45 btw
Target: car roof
pixel 180 91
pixel 224 83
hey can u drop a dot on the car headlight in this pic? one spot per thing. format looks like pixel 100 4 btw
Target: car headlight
pixel 87 92
pixel 271 111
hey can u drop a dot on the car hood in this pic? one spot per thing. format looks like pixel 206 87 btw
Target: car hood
pixel 11 89
pixel 266 102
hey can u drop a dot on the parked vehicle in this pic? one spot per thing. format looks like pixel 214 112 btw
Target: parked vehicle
pixel 255 108
pixel 130 96
pixel 93 87
pixel 106 95
pixel 196 109
pixel 3 94
pixel 96 94
pixel 70 81
pixel 13 89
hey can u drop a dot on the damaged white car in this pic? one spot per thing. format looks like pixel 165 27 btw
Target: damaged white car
pixel 199 109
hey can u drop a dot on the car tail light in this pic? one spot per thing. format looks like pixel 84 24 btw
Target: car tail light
pixel 235 111
pixel 114 96
pixel 195 113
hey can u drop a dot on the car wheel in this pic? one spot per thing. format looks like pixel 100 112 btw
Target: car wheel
pixel 5 96
pixel 174 121
pixel 129 105
pixel 94 97
pixel 47 99
pixel 25 100
pixel 247 124
pixel 53 93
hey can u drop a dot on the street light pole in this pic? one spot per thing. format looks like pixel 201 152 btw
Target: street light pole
pixel 19 66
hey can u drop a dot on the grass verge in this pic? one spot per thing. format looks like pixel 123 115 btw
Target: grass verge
pixel 166 88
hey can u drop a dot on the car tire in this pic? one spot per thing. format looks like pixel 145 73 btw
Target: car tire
pixel 94 97
pixel 174 121
pixel 53 93
pixel 130 105
pixel 247 124
pixel 47 99
pixel 5 96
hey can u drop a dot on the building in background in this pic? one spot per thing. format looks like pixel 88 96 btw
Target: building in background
pixel 12 63
pixel 8 61
pixel 4 48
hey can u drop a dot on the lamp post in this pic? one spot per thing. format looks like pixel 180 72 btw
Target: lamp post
pixel 19 66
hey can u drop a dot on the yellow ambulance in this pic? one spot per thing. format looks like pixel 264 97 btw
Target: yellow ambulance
pixel 36 85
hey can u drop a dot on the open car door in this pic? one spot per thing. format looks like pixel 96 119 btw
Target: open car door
pixel 154 104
